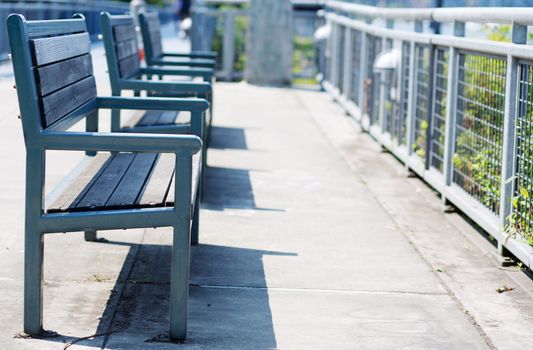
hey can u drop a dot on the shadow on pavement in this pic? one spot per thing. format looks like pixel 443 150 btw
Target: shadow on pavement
pixel 227 138
pixel 229 188
pixel 228 304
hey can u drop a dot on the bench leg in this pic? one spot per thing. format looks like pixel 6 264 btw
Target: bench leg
pixel 90 236
pixel 179 282
pixel 33 281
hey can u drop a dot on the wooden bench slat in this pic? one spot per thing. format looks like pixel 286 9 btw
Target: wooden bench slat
pixel 56 27
pixel 58 48
pixel 124 181
pixel 58 104
pixel 129 66
pixel 133 181
pixel 150 118
pixel 103 187
pixel 126 48
pixel 71 196
pixel 124 32
pixel 157 186
pixel 164 118
pixel 168 118
pixel 57 75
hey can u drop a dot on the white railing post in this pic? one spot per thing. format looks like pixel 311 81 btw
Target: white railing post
pixel 411 103
pixel 431 105
pixel 334 72
pixel 347 71
pixel 451 108
pixel 382 93
pixel 399 95
pixel 519 36
pixel 362 73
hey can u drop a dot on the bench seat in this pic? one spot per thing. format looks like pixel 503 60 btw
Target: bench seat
pixel 122 181
pixel 164 118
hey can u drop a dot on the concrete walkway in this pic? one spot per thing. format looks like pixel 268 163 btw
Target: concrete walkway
pixel 311 238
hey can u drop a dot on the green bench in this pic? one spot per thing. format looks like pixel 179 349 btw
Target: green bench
pixel 127 74
pixel 126 180
pixel 153 47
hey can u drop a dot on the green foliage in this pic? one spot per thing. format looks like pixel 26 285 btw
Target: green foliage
pixel 303 55
pixel 420 142
pixel 241 26
pixel 500 33
pixel 519 222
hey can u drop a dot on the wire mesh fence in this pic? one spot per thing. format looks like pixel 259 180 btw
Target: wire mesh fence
pixel 521 220
pixel 438 123
pixel 392 115
pixel 477 160
pixel 422 100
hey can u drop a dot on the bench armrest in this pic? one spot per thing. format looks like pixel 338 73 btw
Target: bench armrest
pixel 206 73
pixel 194 54
pixel 187 62
pixel 122 142
pixel 153 103
pixel 166 86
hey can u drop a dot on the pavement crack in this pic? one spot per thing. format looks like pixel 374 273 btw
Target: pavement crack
pixel 317 290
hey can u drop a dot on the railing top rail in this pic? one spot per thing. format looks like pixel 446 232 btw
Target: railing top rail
pixel 69 2
pixel 408 14
pixel 242 2
pixel 223 2
pixel 503 15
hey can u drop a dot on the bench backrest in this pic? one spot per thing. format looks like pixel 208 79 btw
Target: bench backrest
pixel 122 49
pixel 151 33
pixel 53 70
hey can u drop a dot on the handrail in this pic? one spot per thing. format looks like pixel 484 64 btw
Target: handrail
pixel 243 2
pixel 520 15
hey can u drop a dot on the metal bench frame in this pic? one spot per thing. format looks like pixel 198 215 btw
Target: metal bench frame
pixel 40 138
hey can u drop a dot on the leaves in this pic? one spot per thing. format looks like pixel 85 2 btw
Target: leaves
pixel 504 289
pixel 523 191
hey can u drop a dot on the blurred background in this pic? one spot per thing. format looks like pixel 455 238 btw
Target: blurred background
pixel 221 25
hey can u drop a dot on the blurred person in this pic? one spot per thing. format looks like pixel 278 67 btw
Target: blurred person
pixel 182 13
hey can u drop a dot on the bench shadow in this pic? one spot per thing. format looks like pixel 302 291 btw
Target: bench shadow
pixel 228 302
pixel 227 138
pixel 229 188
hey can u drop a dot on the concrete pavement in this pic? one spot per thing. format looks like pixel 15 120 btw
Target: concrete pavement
pixel 311 238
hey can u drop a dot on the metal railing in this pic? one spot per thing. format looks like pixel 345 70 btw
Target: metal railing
pixel 458 111
pixel 221 25
pixel 58 9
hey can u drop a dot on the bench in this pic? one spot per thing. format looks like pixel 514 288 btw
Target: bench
pixel 153 47
pixel 126 180
pixel 126 73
